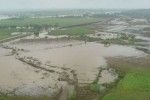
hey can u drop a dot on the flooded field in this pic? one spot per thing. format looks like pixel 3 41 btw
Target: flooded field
pixel 85 59
pixel 21 79
pixel 61 57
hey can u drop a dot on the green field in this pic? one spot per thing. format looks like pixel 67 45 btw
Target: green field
pixel 46 21
pixel 136 81
pixel 4 36
pixel 135 86
pixel 71 31
pixel 39 23
pixel 6 33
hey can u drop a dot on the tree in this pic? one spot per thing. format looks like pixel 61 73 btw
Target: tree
pixel 36 33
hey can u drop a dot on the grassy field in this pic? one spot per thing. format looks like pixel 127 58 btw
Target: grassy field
pixel 4 36
pixel 71 31
pixel 95 87
pixel 136 81
pixel 127 95
pixel 6 33
pixel 135 86
pixel 43 22
pixel 46 21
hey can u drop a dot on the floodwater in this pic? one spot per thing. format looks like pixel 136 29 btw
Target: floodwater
pixel 38 44
pixel 19 78
pixel 4 51
pixel 143 38
pixel 107 76
pixel 85 59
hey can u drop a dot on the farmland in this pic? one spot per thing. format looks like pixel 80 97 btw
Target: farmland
pixel 135 85
pixel 71 31
pixel 6 33
pixel 46 21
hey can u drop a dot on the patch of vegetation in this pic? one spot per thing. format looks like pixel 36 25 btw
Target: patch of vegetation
pixel 135 86
pixel 72 96
pixel 95 87
pixel 136 81
pixel 3 97
pixel 36 33
pixel 125 39
pixel 71 32
pixel 146 50
pixel 127 95
pixel 45 22
pixel 110 85
pixel 6 33
pixel 122 42
pixel 4 36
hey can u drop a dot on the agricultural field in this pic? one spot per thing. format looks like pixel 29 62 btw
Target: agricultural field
pixel 135 86
pixel 4 36
pixel 5 33
pixel 61 22
pixel 8 33
pixel 72 31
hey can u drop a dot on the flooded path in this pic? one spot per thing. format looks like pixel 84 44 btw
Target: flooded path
pixel 64 94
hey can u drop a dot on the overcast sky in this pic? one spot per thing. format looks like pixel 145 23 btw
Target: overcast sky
pixel 56 4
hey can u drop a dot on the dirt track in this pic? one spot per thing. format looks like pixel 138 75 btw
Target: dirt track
pixel 64 94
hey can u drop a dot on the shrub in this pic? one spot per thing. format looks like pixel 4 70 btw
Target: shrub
pixel 72 95
pixel 95 87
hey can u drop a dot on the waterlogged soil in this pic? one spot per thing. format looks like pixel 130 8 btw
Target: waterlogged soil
pixel 127 64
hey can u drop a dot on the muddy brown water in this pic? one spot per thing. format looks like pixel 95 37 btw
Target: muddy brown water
pixel 4 51
pixel 85 59
pixel 22 79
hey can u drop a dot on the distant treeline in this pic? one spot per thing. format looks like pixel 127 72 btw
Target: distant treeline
pixel 142 13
